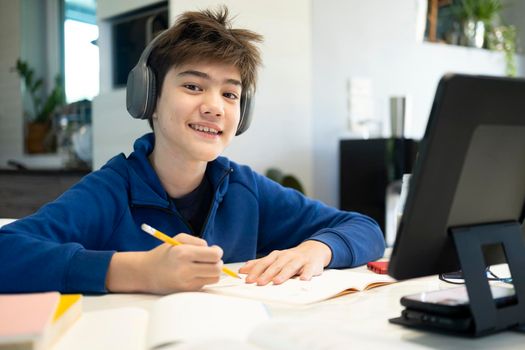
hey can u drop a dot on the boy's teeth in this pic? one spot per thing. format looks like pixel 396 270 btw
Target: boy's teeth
pixel 204 129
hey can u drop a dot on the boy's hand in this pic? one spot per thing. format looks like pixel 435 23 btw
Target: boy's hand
pixel 308 259
pixel 166 268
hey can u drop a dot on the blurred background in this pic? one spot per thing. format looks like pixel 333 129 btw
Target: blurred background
pixel 342 101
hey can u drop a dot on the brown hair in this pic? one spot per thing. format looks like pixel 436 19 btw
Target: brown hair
pixel 206 36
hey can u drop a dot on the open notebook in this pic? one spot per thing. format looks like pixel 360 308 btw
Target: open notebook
pixel 173 319
pixel 296 292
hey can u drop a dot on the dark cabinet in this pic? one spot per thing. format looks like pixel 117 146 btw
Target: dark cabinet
pixel 367 167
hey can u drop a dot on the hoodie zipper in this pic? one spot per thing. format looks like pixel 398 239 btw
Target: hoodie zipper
pixel 180 217
pixel 168 211
pixel 203 228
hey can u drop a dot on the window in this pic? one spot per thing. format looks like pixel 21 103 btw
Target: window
pixel 81 56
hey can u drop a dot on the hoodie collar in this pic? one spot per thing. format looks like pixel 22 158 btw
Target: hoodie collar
pixel 145 185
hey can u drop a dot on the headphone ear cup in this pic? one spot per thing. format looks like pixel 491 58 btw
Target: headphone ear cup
pixel 246 112
pixel 151 100
pixel 141 92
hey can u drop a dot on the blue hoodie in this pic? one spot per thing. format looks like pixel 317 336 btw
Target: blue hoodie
pixel 67 244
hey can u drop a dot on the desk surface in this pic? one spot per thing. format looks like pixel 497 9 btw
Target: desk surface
pixel 355 319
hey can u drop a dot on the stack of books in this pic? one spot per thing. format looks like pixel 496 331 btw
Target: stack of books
pixel 35 321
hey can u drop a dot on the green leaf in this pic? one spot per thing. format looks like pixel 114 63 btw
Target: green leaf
pixel 479 10
pixel 292 182
pixel 285 180
pixel 38 84
pixel 275 174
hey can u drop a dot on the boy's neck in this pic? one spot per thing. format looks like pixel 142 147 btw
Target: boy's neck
pixel 178 176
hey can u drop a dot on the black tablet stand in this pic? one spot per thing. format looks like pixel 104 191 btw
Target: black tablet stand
pixel 486 317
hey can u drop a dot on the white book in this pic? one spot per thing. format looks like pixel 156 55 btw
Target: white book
pixel 330 284
pixel 173 320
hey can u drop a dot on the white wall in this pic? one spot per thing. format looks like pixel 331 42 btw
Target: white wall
pixel 10 98
pixel 113 128
pixel 375 39
pixel 281 132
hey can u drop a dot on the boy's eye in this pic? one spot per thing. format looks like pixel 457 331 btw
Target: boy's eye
pixel 230 95
pixel 192 87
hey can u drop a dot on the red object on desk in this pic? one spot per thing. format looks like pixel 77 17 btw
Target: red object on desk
pixel 380 267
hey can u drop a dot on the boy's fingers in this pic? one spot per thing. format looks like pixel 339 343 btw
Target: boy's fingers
pixel 247 266
pixel 260 266
pixel 290 269
pixel 197 254
pixel 307 273
pixel 274 269
pixel 185 238
pixel 207 270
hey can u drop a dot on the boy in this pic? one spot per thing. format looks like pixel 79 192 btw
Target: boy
pixel 90 240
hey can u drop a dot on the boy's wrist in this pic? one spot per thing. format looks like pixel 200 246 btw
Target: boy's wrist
pixel 321 249
pixel 125 273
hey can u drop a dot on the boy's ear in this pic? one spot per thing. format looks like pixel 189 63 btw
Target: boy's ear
pixel 246 111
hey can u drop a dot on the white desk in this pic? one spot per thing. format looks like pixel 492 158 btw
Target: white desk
pixel 6 221
pixel 359 319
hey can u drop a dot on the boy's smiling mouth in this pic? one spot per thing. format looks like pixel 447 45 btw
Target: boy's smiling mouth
pixel 205 129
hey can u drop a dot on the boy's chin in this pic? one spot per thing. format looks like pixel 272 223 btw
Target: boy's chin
pixel 208 153
pixel 208 156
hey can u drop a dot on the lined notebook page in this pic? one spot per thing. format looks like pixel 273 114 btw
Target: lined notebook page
pixel 297 292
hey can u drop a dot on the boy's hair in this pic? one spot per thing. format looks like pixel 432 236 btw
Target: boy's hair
pixel 206 36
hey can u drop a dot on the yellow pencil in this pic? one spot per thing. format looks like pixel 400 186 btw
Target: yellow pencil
pixel 167 239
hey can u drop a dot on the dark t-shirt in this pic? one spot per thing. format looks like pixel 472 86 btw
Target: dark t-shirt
pixel 195 205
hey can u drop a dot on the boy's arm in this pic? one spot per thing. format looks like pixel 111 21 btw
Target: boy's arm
pixel 61 246
pixel 299 234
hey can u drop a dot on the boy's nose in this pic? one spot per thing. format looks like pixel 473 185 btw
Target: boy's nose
pixel 212 106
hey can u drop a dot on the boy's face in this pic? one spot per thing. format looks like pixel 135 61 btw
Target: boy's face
pixel 198 110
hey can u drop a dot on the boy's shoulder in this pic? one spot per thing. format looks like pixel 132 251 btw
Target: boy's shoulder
pixel 126 166
pixel 241 174
pixel 118 163
pixel 111 174
pixel 237 171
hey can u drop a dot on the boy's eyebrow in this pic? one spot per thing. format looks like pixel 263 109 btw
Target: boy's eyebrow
pixel 207 76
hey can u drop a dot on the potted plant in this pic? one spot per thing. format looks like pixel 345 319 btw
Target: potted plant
pixel 475 16
pixel 285 180
pixel 39 117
